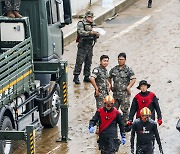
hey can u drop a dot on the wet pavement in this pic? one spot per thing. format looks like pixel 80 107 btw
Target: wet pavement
pixel 149 37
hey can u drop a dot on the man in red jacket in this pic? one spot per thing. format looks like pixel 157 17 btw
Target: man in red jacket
pixel 108 117
pixel 145 99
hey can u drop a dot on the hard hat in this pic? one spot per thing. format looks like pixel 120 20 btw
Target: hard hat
pixel 89 14
pixel 145 111
pixel 109 99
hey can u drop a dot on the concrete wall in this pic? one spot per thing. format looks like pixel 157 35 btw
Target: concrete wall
pixel 78 5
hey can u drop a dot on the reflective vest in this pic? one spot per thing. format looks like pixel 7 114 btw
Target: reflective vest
pixel 143 101
pixel 106 118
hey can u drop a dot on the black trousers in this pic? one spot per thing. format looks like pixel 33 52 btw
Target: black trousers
pixel 109 145
pixel 145 149
pixel 105 152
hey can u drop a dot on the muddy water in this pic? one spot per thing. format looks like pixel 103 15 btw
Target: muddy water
pixel 151 52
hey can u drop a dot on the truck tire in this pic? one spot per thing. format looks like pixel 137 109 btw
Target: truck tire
pixel 6 145
pixel 52 118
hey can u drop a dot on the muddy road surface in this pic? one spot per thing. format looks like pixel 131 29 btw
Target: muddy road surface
pixel 151 40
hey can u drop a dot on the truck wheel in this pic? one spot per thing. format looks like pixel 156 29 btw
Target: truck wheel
pixel 52 118
pixel 6 145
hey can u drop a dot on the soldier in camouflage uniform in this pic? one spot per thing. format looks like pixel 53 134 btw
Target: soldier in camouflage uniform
pixel 99 80
pixel 12 8
pixel 123 79
pixel 86 39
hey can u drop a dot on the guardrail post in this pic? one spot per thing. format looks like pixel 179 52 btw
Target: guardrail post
pixel 28 136
pixel 64 104
pixel 30 140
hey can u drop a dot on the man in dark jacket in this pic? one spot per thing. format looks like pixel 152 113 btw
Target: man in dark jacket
pixel 108 118
pixel 145 99
pixel 146 129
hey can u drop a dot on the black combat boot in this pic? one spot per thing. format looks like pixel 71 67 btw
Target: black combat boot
pixel 76 79
pixel 86 79
pixel 149 4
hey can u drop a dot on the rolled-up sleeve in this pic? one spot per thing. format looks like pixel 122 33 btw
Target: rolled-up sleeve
pixel 95 73
pixel 131 74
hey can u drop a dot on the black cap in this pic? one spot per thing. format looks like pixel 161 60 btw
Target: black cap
pixel 143 82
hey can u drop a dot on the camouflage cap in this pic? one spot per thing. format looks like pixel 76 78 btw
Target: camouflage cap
pixel 89 14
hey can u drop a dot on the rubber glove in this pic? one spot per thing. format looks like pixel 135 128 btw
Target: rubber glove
pixel 129 122
pixel 123 139
pixel 91 130
pixel 159 121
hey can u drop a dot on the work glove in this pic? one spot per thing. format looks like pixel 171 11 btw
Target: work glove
pixel 123 139
pixel 129 122
pixel 159 121
pixel 128 126
pixel 91 130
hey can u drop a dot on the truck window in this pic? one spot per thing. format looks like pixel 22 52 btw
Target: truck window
pixel 60 6
pixel 55 17
pixel 48 12
pixel 52 7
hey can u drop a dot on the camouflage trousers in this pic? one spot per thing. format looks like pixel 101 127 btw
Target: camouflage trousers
pixel 99 99
pixel 84 55
pixel 123 101
pixel 12 5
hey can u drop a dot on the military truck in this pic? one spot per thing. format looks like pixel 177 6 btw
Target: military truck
pixel 33 75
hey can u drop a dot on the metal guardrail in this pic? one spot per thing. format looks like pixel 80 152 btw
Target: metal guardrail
pixel 28 136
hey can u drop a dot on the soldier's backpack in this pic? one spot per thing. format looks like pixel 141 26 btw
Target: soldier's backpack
pixel 77 38
pixel 178 125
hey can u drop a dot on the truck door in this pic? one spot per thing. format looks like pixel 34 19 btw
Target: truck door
pixel 47 17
